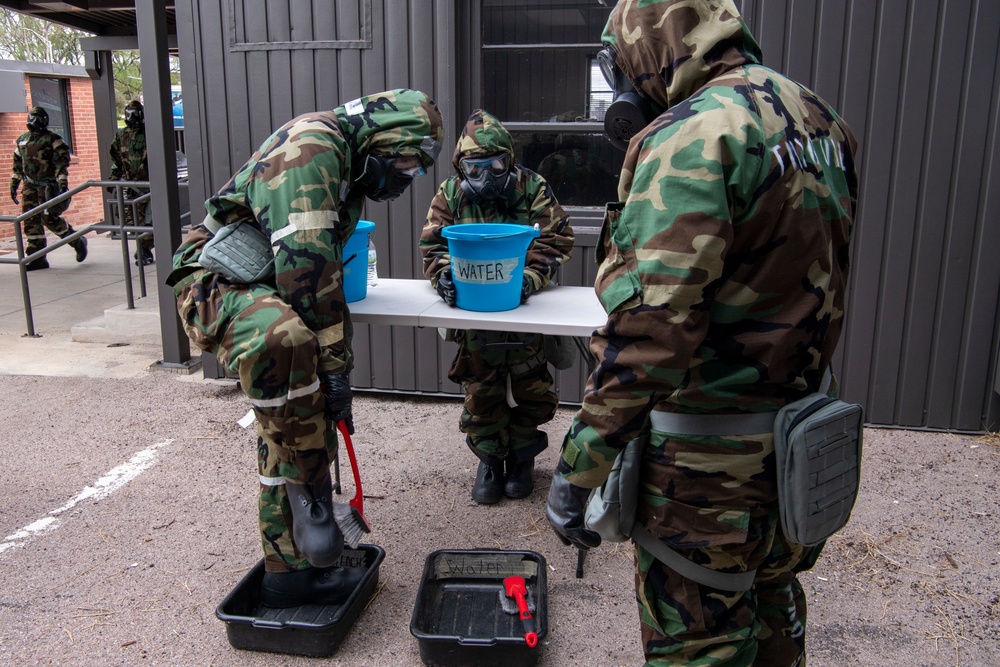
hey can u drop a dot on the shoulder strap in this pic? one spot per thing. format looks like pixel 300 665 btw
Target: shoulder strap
pixel 723 581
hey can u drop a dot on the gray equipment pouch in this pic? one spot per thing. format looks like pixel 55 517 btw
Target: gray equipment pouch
pixel 240 253
pixel 817 442
pixel 611 513
pixel 612 507
pixel 559 351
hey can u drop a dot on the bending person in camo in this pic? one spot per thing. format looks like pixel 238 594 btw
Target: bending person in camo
pixel 494 366
pixel 723 273
pixel 289 336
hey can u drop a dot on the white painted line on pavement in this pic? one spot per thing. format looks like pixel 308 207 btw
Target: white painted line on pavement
pixel 110 482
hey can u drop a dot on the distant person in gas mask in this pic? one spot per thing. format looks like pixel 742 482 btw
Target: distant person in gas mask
pixel 129 162
pixel 41 161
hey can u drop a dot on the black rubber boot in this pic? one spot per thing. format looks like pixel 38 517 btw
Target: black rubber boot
pixel 145 254
pixel 314 530
pixel 521 466
pixel 40 263
pixel 488 489
pixel 332 585
pixel 520 481
pixel 80 245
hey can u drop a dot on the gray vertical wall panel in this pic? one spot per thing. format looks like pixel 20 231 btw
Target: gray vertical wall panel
pixel 970 352
pixel 898 263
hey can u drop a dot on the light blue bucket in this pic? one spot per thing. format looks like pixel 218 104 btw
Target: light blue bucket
pixel 356 262
pixel 487 264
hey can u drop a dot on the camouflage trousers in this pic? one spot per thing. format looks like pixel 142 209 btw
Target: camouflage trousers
pixel 486 363
pixel 714 500
pixel 140 216
pixel 256 334
pixel 34 227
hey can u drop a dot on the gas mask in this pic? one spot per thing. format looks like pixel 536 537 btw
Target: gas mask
pixel 486 178
pixel 134 116
pixel 380 180
pixel 38 120
pixel 630 111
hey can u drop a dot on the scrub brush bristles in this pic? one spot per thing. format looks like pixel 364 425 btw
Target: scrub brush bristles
pixel 351 523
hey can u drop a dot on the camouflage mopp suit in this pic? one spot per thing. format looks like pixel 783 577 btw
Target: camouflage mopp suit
pixel 41 168
pixel 281 334
pixel 486 360
pixel 130 162
pixel 723 273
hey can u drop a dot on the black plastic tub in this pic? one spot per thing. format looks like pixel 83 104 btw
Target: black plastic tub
pixel 457 618
pixel 313 630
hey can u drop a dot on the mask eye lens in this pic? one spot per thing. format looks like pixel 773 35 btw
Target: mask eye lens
pixel 606 61
pixel 475 167
pixel 411 172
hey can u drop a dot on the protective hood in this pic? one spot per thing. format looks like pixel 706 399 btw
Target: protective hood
pixel 483 136
pixel 395 123
pixel 670 48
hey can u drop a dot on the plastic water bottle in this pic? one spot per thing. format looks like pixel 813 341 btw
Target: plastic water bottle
pixel 372 264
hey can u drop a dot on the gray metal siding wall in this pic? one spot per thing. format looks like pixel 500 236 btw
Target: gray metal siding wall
pixel 919 83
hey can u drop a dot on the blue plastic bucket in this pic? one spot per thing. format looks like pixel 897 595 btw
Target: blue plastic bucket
pixel 356 262
pixel 487 264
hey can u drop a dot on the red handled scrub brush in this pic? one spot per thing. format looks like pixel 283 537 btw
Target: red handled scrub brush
pixel 521 604
pixel 350 516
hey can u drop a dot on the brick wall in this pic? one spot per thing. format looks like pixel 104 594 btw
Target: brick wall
pixel 84 164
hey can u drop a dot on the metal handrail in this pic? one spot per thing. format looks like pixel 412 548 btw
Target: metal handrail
pixel 143 231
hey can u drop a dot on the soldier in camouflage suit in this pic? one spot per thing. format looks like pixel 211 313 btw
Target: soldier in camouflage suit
pixel 289 337
pixel 41 160
pixel 723 273
pixel 490 362
pixel 129 162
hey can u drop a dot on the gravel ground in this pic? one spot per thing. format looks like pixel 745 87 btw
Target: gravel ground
pixel 131 571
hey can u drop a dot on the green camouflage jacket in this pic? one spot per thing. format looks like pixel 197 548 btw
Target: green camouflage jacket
pixel 723 272
pixel 531 201
pixel 41 157
pixel 297 187
pixel 128 155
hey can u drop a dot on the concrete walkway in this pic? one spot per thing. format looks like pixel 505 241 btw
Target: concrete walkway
pixel 82 324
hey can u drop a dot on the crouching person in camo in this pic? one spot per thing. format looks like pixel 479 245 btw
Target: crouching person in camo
pixel 276 314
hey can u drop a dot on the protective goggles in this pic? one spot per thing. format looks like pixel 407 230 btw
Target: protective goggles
pixel 606 58
pixel 411 172
pixel 474 167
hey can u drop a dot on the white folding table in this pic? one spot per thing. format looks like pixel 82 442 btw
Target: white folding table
pixel 560 310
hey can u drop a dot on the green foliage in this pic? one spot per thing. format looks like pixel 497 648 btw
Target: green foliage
pixel 29 39
pixel 26 38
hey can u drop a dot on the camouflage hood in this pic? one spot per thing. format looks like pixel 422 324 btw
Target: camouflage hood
pixel 394 123
pixel 483 136
pixel 671 48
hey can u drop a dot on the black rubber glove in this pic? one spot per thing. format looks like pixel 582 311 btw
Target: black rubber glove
pixel 337 391
pixel 446 288
pixel 13 193
pixel 566 506
pixel 527 287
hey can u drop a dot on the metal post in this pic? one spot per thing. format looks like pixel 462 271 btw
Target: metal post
pixel 151 25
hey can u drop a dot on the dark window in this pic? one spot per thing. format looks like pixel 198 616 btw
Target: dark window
pixel 51 95
pixel 540 77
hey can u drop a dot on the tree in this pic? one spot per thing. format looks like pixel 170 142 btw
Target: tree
pixel 30 39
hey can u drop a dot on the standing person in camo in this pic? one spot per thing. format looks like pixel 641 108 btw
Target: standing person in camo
pixel 723 273
pixel 287 330
pixel 508 387
pixel 41 161
pixel 129 162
